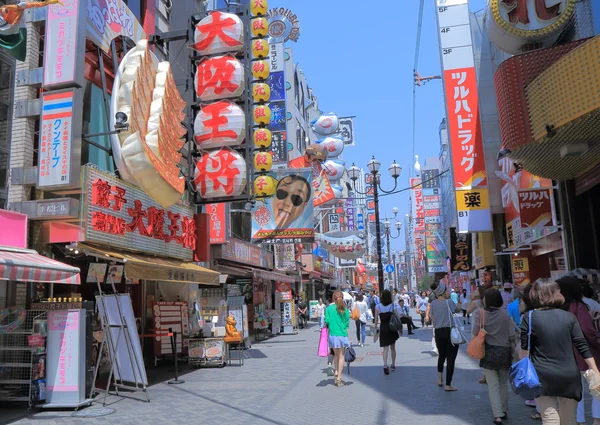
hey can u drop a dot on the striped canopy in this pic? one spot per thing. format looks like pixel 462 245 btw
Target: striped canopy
pixel 26 265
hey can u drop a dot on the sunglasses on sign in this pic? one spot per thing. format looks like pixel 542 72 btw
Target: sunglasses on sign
pixel 296 199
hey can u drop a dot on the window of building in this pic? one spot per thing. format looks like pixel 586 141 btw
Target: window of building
pixel 95 121
pixel 136 7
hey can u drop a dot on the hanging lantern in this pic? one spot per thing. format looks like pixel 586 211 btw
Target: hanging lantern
pixel 262 114
pixel 219 124
pixel 258 7
pixel 220 77
pixel 260 48
pixel 260 27
pixel 262 138
pixel 326 125
pixel 263 161
pixel 261 92
pixel 261 70
pixel 219 33
pixel 334 168
pixel 333 145
pixel 220 173
pixel 264 186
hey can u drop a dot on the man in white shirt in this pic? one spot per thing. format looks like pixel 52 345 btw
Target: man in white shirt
pixel 406 299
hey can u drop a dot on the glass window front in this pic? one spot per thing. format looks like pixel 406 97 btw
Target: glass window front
pixel 95 121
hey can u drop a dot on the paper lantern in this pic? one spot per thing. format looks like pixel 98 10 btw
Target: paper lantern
pixel 258 7
pixel 334 168
pixel 264 186
pixel 262 138
pixel 261 92
pixel 326 124
pixel 220 77
pixel 220 124
pixel 260 27
pixel 263 161
pixel 261 70
pixel 219 33
pixel 262 114
pixel 260 48
pixel 333 145
pixel 220 173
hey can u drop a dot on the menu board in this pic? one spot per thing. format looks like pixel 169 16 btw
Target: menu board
pixel 287 313
pixel 173 315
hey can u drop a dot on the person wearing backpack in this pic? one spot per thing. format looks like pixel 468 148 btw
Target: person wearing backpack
pixel 388 334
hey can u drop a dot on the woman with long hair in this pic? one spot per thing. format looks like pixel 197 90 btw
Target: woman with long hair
pixel 441 310
pixel 571 289
pixel 554 335
pixel 387 337
pixel 337 319
pixel 361 322
pixel 499 342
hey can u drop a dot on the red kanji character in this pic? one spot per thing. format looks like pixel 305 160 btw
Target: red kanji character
pixel 156 223
pixel 217 73
pixel 188 230
pixel 258 66
pixel 258 24
pixel 219 169
pixel 261 160
pixel 137 214
pixel 116 225
pixel 101 193
pixel 99 221
pixel 216 120
pixel 261 136
pixel 261 183
pixel 258 45
pixel 216 29
pixel 117 197
pixel 259 112
pixel 259 4
pixel 259 90
pixel 173 227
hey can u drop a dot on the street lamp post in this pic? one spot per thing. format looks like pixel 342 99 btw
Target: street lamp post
pixel 388 236
pixel 354 174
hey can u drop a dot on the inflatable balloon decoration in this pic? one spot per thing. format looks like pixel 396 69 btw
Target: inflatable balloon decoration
pixel 344 245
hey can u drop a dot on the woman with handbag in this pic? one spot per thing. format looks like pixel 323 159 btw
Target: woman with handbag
pixel 387 337
pixel 551 333
pixel 337 319
pixel 498 349
pixel 571 289
pixel 440 309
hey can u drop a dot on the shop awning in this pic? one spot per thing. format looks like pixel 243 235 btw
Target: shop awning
pixel 152 268
pixel 277 277
pixel 26 265
pixel 585 274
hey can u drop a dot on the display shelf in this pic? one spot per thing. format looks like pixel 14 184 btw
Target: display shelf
pixel 15 381
pixel 15 364
pixel 15 348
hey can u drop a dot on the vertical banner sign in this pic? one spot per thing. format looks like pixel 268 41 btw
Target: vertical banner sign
pixel 360 222
pixel 346 130
pixel 417 205
pixel 520 269
pixel 462 112
pixel 218 223
pixel 461 251
pixel 60 50
pixel 278 125
pixel 434 245
pixel 350 214
pixel 54 158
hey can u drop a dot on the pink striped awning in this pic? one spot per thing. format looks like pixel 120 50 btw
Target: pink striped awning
pixel 26 265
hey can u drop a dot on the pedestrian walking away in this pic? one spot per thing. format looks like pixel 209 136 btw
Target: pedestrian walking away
pixel 361 323
pixel 499 343
pixel 387 336
pixel 337 319
pixel 554 333
pixel 464 303
pixel 440 309
pixel 320 312
pixel 571 290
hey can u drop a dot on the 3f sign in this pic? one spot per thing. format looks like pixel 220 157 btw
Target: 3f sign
pixel 446 51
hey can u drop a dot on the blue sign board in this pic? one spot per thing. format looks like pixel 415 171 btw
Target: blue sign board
pixel 360 222
pixel 389 268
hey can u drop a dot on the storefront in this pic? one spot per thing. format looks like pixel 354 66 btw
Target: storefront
pixel 249 273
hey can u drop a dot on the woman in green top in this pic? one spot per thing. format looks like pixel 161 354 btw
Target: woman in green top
pixel 337 319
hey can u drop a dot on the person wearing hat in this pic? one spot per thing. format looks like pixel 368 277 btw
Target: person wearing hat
pixel 507 295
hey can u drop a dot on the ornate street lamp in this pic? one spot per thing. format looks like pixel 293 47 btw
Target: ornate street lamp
pixel 354 173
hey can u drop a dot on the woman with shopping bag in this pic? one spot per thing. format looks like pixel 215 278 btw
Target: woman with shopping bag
pixel 337 320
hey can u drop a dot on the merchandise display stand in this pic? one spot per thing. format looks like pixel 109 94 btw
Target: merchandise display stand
pixel 127 369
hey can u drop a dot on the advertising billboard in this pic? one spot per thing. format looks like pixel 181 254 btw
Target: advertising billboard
pixel 287 217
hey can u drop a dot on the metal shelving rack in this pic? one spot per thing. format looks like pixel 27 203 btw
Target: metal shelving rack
pixel 17 360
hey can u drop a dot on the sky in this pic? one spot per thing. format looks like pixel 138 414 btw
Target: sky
pixel 359 61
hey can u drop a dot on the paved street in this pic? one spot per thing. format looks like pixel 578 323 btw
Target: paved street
pixel 284 382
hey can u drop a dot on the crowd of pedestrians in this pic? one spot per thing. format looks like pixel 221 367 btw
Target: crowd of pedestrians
pixel 553 323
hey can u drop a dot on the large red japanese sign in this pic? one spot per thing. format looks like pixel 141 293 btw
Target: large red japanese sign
pixel 417 205
pixel 536 208
pixel 118 214
pixel 468 161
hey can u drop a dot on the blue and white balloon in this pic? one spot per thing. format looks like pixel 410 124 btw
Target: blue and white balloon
pixel 334 169
pixel 333 145
pixel 326 124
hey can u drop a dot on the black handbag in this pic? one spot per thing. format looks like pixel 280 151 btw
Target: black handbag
pixel 349 356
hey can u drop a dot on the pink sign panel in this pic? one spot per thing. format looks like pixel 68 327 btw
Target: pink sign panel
pixel 61 43
pixel 63 351
pixel 14 229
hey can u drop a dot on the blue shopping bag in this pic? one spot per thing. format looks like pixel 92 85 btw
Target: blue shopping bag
pixel 523 378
